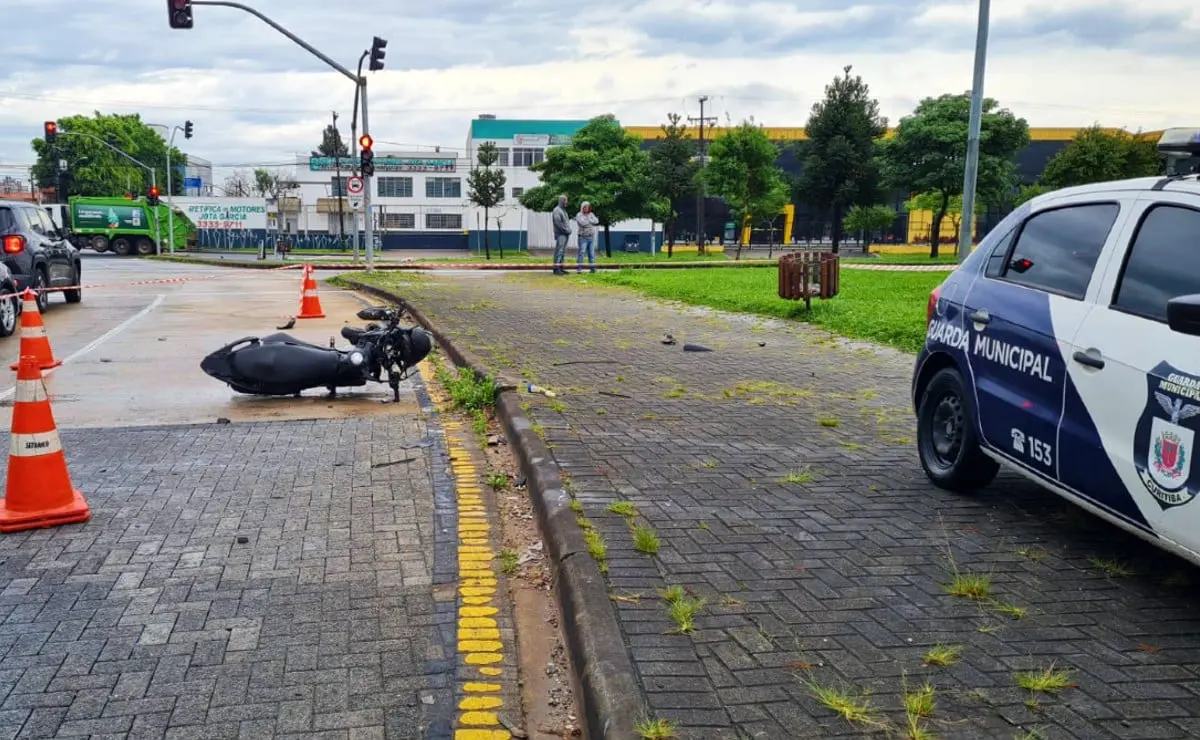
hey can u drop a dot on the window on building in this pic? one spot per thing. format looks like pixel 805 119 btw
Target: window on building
pixel 399 221
pixel 395 187
pixel 502 156
pixel 443 187
pixel 1057 250
pixel 518 192
pixel 443 220
pixel 523 157
pixel 337 187
pixel 1163 262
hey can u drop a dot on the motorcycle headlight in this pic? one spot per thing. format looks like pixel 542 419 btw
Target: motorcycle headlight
pixel 356 358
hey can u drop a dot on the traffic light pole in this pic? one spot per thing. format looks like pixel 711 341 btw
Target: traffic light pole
pixel 369 226
pixel 354 143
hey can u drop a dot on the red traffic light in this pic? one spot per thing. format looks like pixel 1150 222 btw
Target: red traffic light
pixel 51 127
pixel 365 141
pixel 153 192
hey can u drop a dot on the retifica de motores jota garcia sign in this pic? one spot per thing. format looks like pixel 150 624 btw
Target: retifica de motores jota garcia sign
pixel 384 164
pixel 226 214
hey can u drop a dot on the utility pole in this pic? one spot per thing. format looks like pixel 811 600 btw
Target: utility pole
pixel 971 171
pixel 341 187
pixel 700 240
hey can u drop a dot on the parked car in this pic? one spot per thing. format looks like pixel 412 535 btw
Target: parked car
pixel 1067 347
pixel 37 254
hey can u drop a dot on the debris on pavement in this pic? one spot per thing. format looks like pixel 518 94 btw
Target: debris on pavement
pixel 668 339
pixel 696 348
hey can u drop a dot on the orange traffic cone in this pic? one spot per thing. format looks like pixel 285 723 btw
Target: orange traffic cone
pixel 34 341
pixel 38 492
pixel 310 303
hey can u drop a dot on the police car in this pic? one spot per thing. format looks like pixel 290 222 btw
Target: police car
pixel 1067 347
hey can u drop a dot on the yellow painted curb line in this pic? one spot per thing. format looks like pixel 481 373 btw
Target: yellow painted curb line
pixel 479 641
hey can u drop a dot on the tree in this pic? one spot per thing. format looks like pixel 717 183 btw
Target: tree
pixel 741 169
pixel 93 168
pixel 932 201
pixel 866 220
pixel 485 187
pixel 604 165
pixel 237 185
pixel 839 168
pixel 1096 155
pixel 673 168
pixel 929 150
pixel 331 144
pixel 273 186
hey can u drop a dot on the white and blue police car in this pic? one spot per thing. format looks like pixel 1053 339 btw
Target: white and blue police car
pixel 1067 347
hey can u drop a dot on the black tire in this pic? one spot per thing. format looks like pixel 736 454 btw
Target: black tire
pixel 99 244
pixel 40 283
pixel 145 247
pixel 76 295
pixel 122 246
pixel 10 309
pixel 947 440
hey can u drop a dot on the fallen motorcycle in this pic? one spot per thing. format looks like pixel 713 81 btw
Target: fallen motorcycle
pixel 281 365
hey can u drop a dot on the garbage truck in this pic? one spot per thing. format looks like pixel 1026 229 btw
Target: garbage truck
pixel 124 225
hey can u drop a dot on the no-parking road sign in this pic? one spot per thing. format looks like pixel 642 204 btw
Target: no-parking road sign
pixel 354 185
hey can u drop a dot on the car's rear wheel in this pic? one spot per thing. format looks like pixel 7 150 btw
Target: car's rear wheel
pixel 9 308
pixel 40 283
pixel 947 440
pixel 122 246
pixel 145 246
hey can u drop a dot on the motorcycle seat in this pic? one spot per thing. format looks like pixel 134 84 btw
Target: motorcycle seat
pixel 281 338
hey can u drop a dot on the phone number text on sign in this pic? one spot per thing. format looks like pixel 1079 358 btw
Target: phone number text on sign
pixel 203 224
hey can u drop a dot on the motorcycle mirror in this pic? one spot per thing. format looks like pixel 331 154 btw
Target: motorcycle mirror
pixel 373 313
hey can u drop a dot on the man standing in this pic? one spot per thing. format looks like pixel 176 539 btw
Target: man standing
pixel 587 236
pixel 562 232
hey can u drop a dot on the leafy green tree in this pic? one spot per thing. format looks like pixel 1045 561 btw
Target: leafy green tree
pixel 929 150
pixel 674 168
pixel 867 220
pixel 485 187
pixel 839 168
pixel 1096 155
pixel 604 165
pixel 741 169
pixel 332 144
pixel 93 168
pixel 932 201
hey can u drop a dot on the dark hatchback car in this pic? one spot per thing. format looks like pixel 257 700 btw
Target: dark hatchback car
pixel 37 254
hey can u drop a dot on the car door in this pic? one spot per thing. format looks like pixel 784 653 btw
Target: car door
pixel 1023 313
pixel 1133 414
pixel 59 263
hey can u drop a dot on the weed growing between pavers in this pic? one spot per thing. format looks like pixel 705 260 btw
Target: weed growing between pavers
pixel 655 729
pixel 1111 567
pixel 1048 680
pixel 943 655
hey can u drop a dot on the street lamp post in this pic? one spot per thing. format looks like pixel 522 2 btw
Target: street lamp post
pixel 971 171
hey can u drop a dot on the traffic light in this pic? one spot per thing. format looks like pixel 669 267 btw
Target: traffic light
pixel 152 196
pixel 187 129
pixel 180 13
pixel 51 129
pixel 366 161
pixel 377 53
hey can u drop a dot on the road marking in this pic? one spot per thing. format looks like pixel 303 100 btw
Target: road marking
pixel 479 641
pixel 97 341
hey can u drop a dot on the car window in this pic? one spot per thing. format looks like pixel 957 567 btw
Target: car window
pixel 7 223
pixel 1057 250
pixel 1163 262
pixel 996 261
pixel 30 219
pixel 47 223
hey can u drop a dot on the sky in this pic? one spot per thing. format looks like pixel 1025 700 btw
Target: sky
pixel 256 98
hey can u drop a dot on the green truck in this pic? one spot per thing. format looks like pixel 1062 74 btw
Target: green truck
pixel 124 226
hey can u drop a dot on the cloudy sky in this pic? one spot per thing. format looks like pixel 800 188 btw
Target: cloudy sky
pixel 258 99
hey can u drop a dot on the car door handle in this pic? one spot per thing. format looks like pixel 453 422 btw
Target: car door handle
pixel 1091 358
pixel 981 316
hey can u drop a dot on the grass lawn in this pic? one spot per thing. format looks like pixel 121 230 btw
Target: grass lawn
pixel 884 307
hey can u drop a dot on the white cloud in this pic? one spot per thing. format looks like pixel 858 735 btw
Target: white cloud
pixel 256 98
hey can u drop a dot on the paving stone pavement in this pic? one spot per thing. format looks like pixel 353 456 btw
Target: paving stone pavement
pixel 291 579
pixel 783 483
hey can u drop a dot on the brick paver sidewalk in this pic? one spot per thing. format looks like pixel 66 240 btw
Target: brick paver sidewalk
pixel 779 473
pixel 255 581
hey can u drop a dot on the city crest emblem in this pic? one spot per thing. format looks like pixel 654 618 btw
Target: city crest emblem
pixel 1164 441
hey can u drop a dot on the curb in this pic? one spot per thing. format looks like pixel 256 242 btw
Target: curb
pixel 610 699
